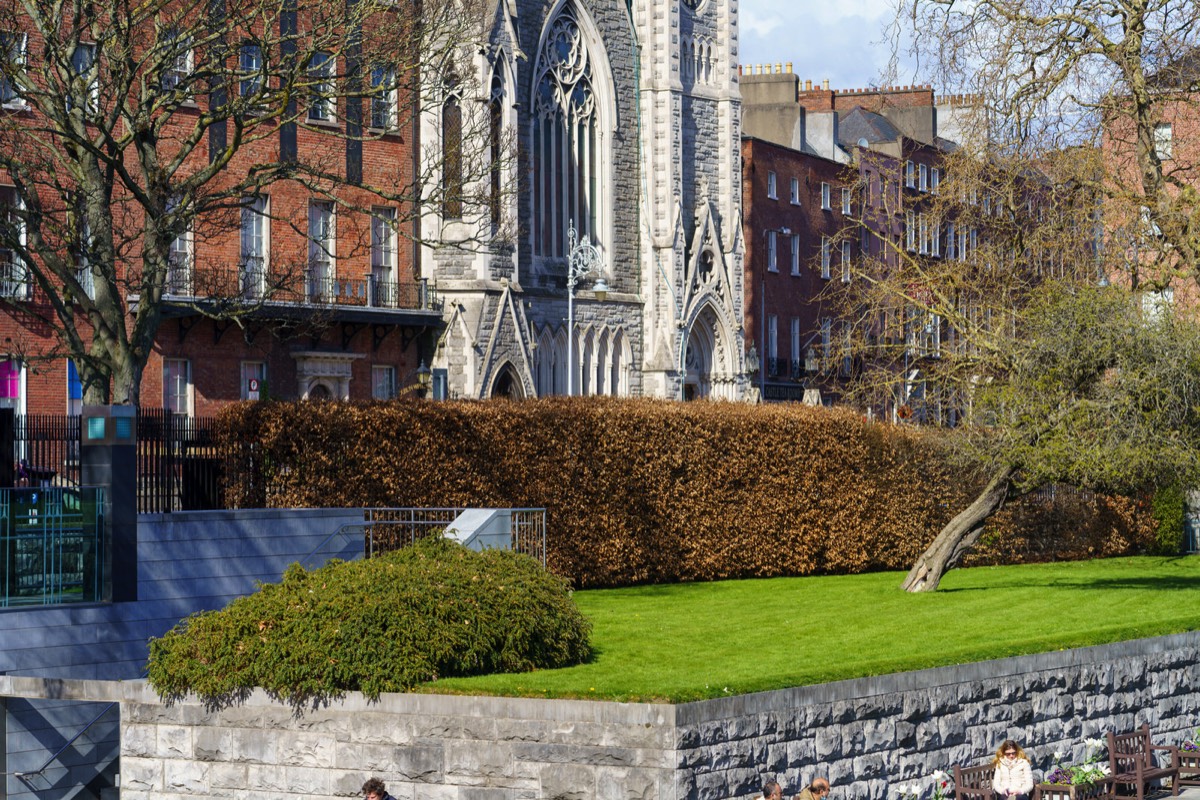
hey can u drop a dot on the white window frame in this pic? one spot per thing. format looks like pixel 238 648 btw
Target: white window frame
pixel 923 171
pixel 826 200
pixel 772 185
pixel 846 201
pixel 250 67
pixel 384 254
pixel 935 239
pixel 795 254
pixel 825 257
pixel 935 179
pixel 78 67
pixel 1164 145
pixel 773 337
pixel 383 382
pixel 910 231
pixel 180 259
pixel 179 398
pixel 795 191
pixel 176 71
pixel 16 44
pixel 923 234
pixel 322 106
pixel 950 252
pixel 252 369
pixel 845 262
pixel 772 251
pixel 384 101
pixel 14 275
pixel 910 174
pixel 322 249
pixel 255 242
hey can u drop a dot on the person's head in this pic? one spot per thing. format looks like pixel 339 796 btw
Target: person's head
pixel 819 787
pixel 1009 751
pixel 374 789
pixel 772 790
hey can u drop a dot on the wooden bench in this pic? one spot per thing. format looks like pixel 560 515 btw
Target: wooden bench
pixel 974 783
pixel 1131 759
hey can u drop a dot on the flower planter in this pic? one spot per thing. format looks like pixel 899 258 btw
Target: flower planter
pixel 1189 767
pixel 1065 791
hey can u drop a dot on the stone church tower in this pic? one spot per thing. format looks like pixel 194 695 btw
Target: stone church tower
pixel 618 121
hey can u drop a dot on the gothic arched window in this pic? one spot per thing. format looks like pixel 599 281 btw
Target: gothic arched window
pixel 566 139
pixel 452 155
pixel 495 143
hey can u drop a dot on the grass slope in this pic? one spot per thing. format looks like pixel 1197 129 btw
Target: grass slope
pixel 693 641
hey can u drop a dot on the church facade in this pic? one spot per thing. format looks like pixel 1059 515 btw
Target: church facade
pixel 608 122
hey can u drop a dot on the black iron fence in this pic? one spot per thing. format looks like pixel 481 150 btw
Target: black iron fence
pixel 179 465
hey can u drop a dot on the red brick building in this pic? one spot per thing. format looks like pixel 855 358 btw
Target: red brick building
pixel 291 293
pixel 845 198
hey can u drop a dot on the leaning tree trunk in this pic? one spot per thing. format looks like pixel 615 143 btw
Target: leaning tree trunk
pixel 959 535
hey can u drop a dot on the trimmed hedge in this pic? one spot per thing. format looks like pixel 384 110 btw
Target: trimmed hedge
pixel 386 624
pixel 644 491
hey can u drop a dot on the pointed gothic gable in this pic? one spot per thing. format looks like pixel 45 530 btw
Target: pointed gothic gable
pixel 508 342
pixel 707 271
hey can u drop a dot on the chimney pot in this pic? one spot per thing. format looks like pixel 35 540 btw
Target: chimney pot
pixel 807 85
pixel 789 68
pixel 825 84
pixel 778 68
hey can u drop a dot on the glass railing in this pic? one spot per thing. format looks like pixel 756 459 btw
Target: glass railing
pixel 52 546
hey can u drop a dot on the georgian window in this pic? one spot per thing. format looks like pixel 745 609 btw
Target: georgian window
pixel 322 102
pixel 568 143
pixel 12 58
pixel 384 97
pixel 254 238
pixel 322 245
pixel 383 257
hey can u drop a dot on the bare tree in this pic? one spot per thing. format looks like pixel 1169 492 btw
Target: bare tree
pixel 1073 217
pixel 130 127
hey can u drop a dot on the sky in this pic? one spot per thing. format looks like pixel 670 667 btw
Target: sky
pixel 842 40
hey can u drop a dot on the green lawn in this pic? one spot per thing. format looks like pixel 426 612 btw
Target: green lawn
pixel 692 641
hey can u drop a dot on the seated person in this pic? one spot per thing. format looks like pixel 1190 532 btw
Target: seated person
pixel 1013 777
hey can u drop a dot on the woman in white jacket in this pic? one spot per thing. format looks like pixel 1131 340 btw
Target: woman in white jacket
pixel 1013 777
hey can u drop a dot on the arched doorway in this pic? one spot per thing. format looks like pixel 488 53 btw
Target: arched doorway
pixel 320 391
pixel 507 384
pixel 698 359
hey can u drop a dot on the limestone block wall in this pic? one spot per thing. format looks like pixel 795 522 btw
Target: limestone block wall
pixel 868 734
pixel 865 735
pixel 423 746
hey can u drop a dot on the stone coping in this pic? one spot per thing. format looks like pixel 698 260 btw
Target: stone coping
pixel 139 691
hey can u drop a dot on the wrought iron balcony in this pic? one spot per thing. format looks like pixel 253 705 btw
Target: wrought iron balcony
pixel 15 282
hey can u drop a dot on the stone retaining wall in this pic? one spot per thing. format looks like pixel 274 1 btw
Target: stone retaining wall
pixel 866 735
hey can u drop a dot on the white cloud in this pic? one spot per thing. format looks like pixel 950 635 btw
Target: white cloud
pixel 841 41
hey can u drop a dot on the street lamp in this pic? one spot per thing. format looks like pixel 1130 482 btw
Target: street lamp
pixel 583 259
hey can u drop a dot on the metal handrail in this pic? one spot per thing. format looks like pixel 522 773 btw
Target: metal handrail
pixel 26 775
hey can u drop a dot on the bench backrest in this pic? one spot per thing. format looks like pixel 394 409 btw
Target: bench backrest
pixel 1126 749
pixel 974 777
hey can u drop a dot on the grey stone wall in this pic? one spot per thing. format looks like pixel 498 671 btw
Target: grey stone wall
pixel 866 735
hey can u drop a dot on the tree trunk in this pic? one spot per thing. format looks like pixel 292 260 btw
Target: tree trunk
pixel 959 535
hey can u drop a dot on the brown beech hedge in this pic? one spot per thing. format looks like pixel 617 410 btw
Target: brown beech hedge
pixel 643 491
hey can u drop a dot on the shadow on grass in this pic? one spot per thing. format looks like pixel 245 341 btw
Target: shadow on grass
pixel 1173 582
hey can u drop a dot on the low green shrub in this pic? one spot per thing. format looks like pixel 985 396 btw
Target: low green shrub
pixel 387 624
